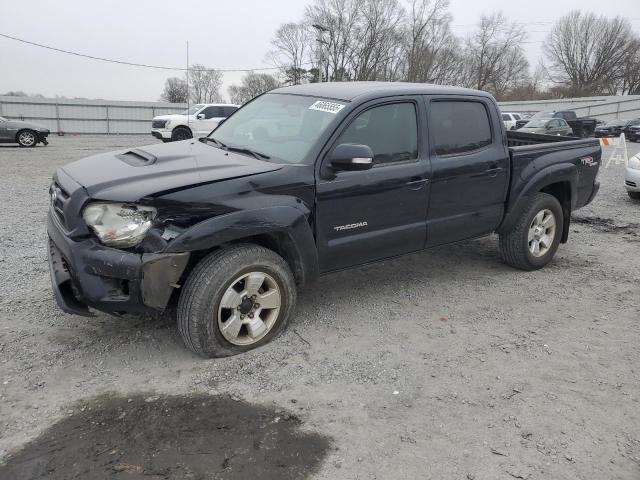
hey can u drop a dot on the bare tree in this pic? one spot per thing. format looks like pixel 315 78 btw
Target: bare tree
pixel 252 85
pixel 432 51
pixel 175 90
pixel 631 75
pixel 494 57
pixel 292 49
pixel 339 18
pixel 587 53
pixel 204 84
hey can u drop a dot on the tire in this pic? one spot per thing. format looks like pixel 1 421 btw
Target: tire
pixel 202 304
pixel 181 133
pixel 516 247
pixel 634 195
pixel 27 138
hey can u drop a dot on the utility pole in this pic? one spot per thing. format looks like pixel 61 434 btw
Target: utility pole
pixel 321 43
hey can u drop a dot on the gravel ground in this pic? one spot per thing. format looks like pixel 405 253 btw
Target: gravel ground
pixel 445 364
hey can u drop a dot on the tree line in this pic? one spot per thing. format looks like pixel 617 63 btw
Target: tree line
pixel 390 40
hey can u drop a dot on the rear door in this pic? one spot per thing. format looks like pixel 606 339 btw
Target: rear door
pixel 470 168
pixel 4 131
pixel 378 213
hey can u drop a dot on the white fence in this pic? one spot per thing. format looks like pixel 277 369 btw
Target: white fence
pixel 86 116
pixel 112 117
pixel 602 108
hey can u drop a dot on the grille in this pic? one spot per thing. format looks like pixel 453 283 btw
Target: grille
pixel 59 199
pixel 158 123
pixel 629 183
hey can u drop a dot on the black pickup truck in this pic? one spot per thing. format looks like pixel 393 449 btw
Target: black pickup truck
pixel 300 182
pixel 582 127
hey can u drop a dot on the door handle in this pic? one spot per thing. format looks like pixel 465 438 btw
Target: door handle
pixel 417 183
pixel 493 171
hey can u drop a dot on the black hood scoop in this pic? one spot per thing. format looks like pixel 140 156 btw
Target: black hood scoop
pixel 137 158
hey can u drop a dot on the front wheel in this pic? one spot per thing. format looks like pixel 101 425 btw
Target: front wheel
pixel 27 138
pixel 181 133
pixel 236 299
pixel 534 240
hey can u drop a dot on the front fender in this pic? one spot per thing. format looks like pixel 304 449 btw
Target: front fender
pixel 532 183
pixel 287 223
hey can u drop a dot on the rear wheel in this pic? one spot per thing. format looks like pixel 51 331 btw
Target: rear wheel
pixel 236 299
pixel 181 133
pixel 27 138
pixel 634 195
pixel 534 240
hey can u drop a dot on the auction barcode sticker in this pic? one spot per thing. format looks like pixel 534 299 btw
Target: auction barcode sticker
pixel 324 106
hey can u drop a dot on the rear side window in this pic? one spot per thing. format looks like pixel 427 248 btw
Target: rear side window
pixel 227 111
pixel 212 112
pixel 459 126
pixel 391 131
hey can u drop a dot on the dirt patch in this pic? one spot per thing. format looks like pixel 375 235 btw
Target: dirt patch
pixel 607 224
pixel 170 437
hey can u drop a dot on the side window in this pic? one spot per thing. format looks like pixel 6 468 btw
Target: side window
pixel 516 116
pixel 505 117
pixel 211 112
pixel 227 111
pixel 390 130
pixel 459 126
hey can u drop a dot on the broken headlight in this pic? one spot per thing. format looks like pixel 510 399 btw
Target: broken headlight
pixel 119 224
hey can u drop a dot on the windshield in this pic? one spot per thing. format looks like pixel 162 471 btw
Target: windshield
pixel 536 124
pixel 615 123
pixel 192 110
pixel 283 127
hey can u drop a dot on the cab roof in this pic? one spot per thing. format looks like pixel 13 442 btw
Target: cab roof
pixel 349 91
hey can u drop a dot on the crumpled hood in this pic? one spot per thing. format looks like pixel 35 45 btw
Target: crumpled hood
pixel 128 175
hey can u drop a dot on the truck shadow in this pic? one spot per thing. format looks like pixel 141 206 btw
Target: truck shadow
pixel 156 437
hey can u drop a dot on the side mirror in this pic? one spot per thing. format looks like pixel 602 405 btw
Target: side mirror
pixel 200 116
pixel 349 156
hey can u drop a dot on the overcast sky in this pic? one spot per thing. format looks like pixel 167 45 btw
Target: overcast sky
pixel 221 34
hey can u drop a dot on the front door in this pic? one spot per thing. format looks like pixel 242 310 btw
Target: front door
pixel 212 116
pixel 378 213
pixel 470 169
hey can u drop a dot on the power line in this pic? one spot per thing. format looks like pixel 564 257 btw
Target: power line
pixel 123 62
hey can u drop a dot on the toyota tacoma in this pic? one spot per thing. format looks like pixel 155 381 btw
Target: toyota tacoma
pixel 301 182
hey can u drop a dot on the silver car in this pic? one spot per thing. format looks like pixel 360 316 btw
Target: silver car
pixel 548 126
pixel 25 134
pixel 632 177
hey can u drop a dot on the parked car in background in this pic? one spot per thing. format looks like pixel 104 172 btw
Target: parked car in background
pixel 631 124
pixel 581 127
pixel 633 133
pixel 632 177
pixel 510 119
pixel 25 134
pixel 197 121
pixel 554 126
pixel 230 226
pixel 613 128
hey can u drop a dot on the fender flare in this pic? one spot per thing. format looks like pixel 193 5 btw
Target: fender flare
pixel 563 172
pixel 288 225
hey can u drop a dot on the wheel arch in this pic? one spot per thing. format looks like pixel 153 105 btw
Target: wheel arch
pixel 284 230
pixel 558 180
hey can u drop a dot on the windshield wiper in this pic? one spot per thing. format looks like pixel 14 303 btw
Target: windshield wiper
pixel 218 143
pixel 258 155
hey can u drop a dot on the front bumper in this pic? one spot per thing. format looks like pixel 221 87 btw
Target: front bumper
pixel 86 274
pixel 161 134
pixel 632 180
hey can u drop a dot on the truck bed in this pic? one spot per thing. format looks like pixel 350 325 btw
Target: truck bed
pixel 532 153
